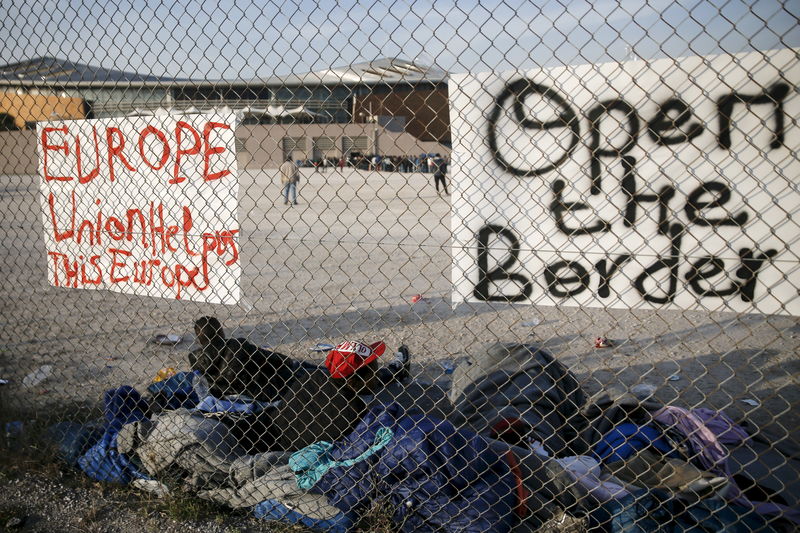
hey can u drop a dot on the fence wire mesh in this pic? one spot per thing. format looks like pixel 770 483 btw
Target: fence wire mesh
pixel 467 266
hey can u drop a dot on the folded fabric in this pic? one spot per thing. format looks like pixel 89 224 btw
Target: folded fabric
pixel 185 439
pixel 314 461
pixel 122 406
pixel 626 439
pixel 103 462
pixel 436 477
pixel 726 430
pixel 586 472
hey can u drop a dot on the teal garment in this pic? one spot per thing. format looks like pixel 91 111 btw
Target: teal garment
pixel 312 462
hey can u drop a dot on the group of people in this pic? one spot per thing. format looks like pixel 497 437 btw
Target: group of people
pixel 426 163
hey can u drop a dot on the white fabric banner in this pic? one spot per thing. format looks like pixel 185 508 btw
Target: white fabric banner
pixel 142 205
pixel 670 183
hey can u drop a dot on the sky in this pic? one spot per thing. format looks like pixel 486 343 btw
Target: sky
pixel 244 39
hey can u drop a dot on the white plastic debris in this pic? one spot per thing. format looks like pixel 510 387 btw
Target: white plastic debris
pixel 170 339
pixel 152 486
pixel 36 377
pixel 3 382
pixel 532 323
pixel 643 390
pixel 322 347
pixel 674 377
pixel 448 366
pixel 537 447
pixel 750 401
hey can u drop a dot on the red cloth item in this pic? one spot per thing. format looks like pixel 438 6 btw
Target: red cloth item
pixel 521 491
pixel 511 430
pixel 349 356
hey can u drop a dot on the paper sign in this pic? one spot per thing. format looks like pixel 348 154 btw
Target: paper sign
pixel 668 184
pixel 142 205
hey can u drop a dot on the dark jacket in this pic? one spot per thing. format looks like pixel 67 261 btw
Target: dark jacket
pixel 315 407
pixel 236 366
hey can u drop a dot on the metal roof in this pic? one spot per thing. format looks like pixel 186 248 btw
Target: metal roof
pixel 48 71
pixel 384 70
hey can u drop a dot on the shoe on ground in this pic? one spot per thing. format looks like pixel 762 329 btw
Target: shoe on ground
pixel 401 363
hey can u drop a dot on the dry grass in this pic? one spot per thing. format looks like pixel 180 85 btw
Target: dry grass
pixel 27 454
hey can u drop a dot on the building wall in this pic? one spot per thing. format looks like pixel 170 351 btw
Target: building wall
pixel 264 143
pixel 18 155
pixel 425 110
pixel 258 146
pixel 114 102
pixel 35 107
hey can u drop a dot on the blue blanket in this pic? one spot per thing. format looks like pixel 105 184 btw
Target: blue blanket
pixel 626 439
pixel 436 477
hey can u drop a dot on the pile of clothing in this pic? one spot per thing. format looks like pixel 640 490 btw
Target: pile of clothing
pixel 522 446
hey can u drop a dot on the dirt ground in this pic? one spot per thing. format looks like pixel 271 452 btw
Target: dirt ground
pixel 345 263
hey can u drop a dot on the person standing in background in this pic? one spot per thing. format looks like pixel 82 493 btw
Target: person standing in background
pixel 439 172
pixel 290 176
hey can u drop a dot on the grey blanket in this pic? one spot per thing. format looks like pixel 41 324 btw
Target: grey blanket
pixel 213 464
pixel 519 382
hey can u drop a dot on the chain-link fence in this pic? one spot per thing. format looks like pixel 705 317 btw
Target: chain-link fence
pixel 483 267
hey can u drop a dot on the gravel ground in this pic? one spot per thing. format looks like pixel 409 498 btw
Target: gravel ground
pixel 345 263
pixel 55 502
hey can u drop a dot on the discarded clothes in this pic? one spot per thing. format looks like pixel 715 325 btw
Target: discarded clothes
pixel 587 473
pixel 231 404
pixel 712 454
pixel 183 389
pixel 292 513
pixel 312 462
pixel 211 461
pixel 436 477
pixel 181 440
pixel 103 461
pixel 653 470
